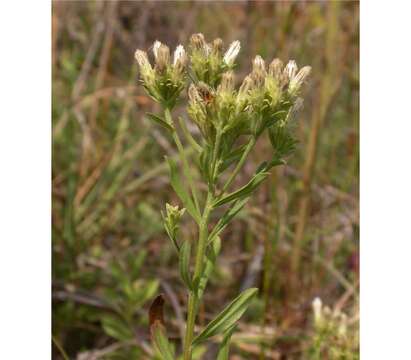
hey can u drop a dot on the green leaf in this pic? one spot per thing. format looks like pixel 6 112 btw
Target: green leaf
pixel 233 156
pixel 244 191
pixel 229 214
pixel 116 328
pixel 188 135
pixel 224 348
pixel 158 120
pixel 228 317
pixel 184 262
pixel 211 257
pixel 182 193
pixel 161 342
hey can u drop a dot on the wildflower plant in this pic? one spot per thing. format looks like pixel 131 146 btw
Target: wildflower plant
pixel 230 120
pixel 334 335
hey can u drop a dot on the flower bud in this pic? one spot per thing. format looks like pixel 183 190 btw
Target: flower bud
pixel 298 80
pixel 145 66
pixel 197 41
pixel 291 69
pixel 227 82
pixel 193 94
pixel 232 52
pixel 163 58
pixel 180 59
pixel 217 46
pixel 275 69
pixel 259 64
pixel 171 221
pixel 173 213
pixel 156 46
pixel 258 77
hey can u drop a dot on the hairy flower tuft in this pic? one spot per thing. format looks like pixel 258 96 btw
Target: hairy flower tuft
pixel 259 64
pixel 162 58
pixel 232 52
pixel 217 46
pixel 197 41
pixel 291 69
pixel 298 80
pixel 227 82
pixel 275 69
pixel 156 46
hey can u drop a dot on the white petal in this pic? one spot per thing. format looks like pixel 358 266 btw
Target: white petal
pixel 232 52
pixel 178 53
pixel 291 69
pixel 156 46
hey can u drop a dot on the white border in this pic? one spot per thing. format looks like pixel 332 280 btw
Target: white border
pixel 385 179
pixel 25 180
pixel 25 158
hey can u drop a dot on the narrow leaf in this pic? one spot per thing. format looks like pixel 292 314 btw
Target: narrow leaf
pixel 233 156
pixel 184 262
pixel 211 257
pixel 182 193
pixel 160 341
pixel 227 217
pixel 116 328
pixel 158 120
pixel 188 135
pixel 244 191
pixel 224 348
pixel 228 317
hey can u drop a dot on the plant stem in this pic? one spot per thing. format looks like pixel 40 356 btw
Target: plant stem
pixel 215 156
pixel 187 171
pixel 193 300
pixel 239 165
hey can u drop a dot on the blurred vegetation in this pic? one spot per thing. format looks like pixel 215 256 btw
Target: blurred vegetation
pixel 296 240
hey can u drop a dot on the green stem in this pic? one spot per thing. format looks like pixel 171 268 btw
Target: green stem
pixel 193 300
pixel 216 150
pixel 239 165
pixel 187 171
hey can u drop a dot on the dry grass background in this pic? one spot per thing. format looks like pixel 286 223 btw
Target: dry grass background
pixel 297 239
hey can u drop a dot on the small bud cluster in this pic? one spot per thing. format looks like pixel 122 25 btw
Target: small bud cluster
pixel 172 220
pixel 326 320
pixel 166 80
pixel 325 317
pixel 208 61
pixel 263 99
pixel 332 337
pixel 266 99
